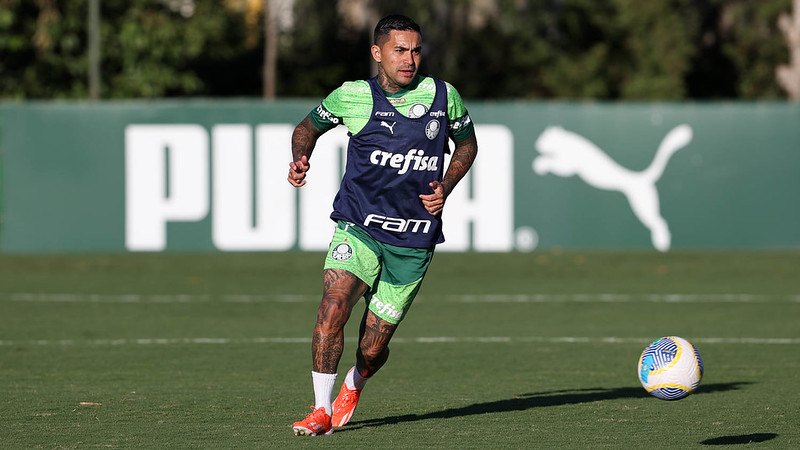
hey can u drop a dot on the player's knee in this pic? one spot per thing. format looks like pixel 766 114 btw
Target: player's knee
pixel 332 313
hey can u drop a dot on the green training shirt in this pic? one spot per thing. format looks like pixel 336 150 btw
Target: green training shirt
pixel 351 104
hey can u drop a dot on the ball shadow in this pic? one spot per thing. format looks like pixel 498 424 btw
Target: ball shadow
pixel 527 401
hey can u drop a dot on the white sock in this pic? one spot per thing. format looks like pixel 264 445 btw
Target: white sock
pixel 354 380
pixel 323 388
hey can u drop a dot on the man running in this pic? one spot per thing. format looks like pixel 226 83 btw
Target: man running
pixel 388 208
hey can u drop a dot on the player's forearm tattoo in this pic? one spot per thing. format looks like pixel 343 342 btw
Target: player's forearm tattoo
pixel 304 138
pixel 463 157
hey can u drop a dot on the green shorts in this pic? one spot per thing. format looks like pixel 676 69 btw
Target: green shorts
pixel 393 274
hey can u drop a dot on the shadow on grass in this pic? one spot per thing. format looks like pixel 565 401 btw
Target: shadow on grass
pixel 740 439
pixel 532 400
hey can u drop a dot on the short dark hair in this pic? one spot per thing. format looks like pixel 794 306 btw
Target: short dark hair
pixel 395 22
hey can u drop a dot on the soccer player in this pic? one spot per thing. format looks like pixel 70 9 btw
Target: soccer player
pixel 388 208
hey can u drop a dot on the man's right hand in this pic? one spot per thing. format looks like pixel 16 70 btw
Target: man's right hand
pixel 297 171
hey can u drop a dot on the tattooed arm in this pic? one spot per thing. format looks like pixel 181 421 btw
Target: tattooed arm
pixel 304 138
pixel 463 157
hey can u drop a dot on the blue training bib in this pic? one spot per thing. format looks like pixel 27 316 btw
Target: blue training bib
pixel 390 162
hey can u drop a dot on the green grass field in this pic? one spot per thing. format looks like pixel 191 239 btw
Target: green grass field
pixel 531 350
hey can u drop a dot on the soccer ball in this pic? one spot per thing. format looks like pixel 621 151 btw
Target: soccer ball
pixel 670 368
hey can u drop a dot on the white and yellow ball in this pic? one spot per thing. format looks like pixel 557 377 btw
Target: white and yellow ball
pixel 670 368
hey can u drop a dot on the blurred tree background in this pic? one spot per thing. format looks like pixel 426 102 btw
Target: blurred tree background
pixel 521 49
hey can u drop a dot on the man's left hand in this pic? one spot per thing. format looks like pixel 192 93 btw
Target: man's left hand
pixel 434 203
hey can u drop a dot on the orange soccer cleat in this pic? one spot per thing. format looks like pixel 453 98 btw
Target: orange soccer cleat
pixel 316 423
pixel 345 405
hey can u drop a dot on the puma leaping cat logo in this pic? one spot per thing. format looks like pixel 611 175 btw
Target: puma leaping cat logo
pixel 565 153
pixel 390 127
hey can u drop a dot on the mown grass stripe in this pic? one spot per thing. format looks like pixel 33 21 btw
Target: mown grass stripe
pixel 398 340
pixel 455 298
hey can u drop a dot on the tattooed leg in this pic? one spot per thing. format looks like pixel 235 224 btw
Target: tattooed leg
pixel 341 291
pixel 373 343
